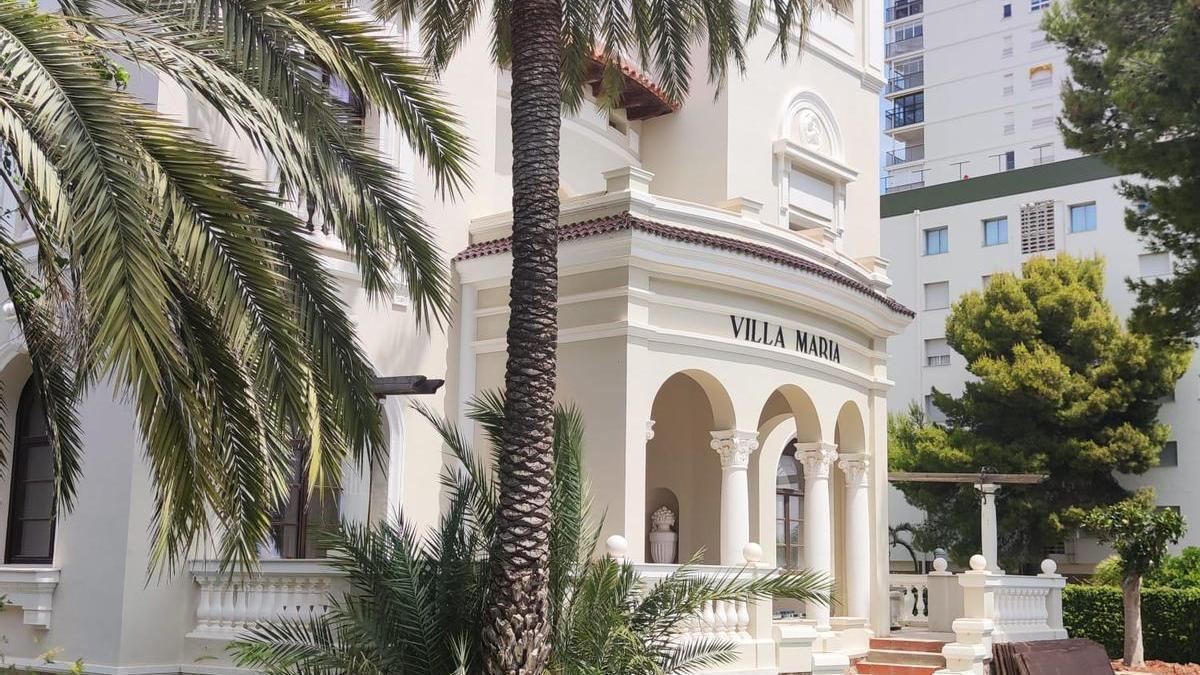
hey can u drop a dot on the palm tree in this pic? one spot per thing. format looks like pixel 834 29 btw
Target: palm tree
pixel 417 604
pixel 549 46
pixel 165 269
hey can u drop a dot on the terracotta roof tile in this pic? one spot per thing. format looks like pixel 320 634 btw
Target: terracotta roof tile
pixel 627 221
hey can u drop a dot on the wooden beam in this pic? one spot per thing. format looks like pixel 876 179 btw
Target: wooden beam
pixel 1001 478
pixel 404 385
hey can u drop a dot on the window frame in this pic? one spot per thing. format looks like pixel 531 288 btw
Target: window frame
pixel 925 289
pixel 1071 217
pixel 787 518
pixel 937 360
pixel 945 239
pixel 1003 232
pixel 303 498
pixel 1038 5
pixel 16 493
pixel 1174 445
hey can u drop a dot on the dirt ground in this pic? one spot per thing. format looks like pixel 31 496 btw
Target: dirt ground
pixel 1161 668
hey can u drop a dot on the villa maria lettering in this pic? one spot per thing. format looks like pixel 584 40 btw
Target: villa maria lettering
pixel 767 333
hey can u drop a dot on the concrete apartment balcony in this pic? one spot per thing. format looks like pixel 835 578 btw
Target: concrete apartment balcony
pixel 903 47
pixel 908 116
pixel 905 155
pixel 903 9
pixel 901 83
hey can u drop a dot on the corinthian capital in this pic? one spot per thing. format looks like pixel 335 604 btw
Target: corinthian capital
pixel 817 458
pixel 734 447
pixel 855 467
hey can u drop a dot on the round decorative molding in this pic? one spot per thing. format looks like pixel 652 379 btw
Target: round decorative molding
pixel 1049 566
pixel 978 562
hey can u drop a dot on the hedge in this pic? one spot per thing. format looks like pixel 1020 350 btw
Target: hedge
pixel 1170 620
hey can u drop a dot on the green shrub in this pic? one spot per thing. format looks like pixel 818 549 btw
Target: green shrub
pixel 1170 620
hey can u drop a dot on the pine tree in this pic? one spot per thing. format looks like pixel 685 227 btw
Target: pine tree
pixel 1061 387
pixel 1134 97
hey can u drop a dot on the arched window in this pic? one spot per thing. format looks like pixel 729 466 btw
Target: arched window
pixel 31 501
pixel 789 510
pixel 299 530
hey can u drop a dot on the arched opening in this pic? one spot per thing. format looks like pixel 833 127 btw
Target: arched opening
pixel 850 437
pixel 777 480
pixel 30 537
pixel 680 462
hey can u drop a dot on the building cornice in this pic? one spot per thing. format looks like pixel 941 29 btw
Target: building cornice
pixel 627 222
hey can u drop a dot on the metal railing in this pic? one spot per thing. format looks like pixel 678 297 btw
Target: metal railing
pixel 902 81
pixel 913 44
pixel 890 188
pixel 902 117
pixel 903 10
pixel 911 153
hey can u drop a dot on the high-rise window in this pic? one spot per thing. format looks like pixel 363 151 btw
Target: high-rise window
pixel 937 353
pixel 1007 86
pixel 1007 10
pixel 1035 5
pixel 1169 456
pixel 1037 227
pixel 1083 217
pixel 1006 48
pixel 937 295
pixel 1042 117
pixel 1041 77
pixel 31 501
pixel 1152 265
pixel 932 412
pixel 937 240
pixel 995 231
pixel 1010 160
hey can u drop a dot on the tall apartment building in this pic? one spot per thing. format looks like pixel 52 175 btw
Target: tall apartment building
pixel 977 181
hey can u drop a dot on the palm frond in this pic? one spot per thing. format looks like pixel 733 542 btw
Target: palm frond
pixel 52 366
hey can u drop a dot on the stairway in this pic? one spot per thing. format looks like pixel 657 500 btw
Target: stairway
pixel 902 656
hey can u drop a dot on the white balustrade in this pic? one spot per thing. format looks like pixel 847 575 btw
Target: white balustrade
pixel 721 619
pixel 1029 608
pixel 232 601
pixel 914 599
pixel 1020 608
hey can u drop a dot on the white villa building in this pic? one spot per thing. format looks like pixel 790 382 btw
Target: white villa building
pixel 977 181
pixel 725 326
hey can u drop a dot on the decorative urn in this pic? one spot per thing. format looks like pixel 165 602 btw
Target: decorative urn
pixel 662 537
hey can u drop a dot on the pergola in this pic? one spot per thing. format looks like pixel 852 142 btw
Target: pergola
pixel 986 483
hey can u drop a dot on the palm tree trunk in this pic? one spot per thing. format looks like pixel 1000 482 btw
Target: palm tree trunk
pixel 516 629
pixel 1131 593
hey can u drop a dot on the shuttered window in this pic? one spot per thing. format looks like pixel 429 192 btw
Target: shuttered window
pixel 1037 227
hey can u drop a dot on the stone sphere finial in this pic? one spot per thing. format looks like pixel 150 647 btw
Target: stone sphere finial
pixel 978 562
pixel 752 552
pixel 939 564
pixel 616 546
pixel 1049 566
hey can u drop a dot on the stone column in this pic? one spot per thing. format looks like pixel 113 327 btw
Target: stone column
pixel 734 448
pixel 858 535
pixel 987 524
pixel 817 459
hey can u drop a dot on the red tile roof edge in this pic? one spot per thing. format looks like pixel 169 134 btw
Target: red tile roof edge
pixel 638 76
pixel 627 221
